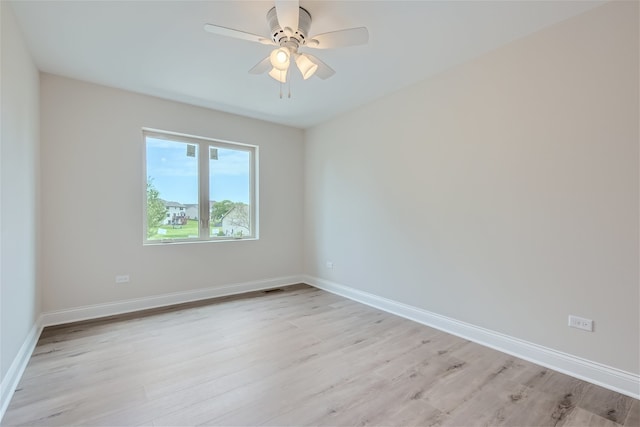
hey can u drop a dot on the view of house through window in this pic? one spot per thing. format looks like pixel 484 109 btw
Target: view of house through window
pixel 198 189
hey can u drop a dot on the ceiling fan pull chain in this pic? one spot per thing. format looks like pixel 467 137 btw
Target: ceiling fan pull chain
pixel 289 88
pixel 280 90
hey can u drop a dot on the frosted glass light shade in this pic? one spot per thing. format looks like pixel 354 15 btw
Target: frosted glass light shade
pixel 306 67
pixel 279 75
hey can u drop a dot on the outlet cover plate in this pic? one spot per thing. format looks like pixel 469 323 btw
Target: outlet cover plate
pixel 123 279
pixel 581 323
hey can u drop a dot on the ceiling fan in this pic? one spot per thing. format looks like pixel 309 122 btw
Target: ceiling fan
pixel 289 24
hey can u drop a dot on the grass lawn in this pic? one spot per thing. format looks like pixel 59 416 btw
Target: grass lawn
pixel 189 230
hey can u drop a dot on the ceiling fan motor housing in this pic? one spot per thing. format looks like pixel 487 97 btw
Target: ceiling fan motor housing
pixel 299 36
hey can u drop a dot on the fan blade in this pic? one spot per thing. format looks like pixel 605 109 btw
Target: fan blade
pixel 341 38
pixel 261 66
pixel 323 71
pixel 236 34
pixel 288 12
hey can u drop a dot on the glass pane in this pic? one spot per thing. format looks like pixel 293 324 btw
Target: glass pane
pixel 172 190
pixel 229 192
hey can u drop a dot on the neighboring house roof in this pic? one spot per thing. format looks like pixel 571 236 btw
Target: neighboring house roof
pixel 172 204
pixel 185 205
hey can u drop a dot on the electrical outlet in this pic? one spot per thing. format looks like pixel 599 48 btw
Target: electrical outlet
pixel 122 279
pixel 581 323
pixel 329 264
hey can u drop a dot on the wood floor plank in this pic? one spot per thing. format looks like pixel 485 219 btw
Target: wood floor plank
pixel 633 418
pixel 580 417
pixel 603 403
pixel 299 356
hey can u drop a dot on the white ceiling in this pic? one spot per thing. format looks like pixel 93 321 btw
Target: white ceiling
pixel 160 48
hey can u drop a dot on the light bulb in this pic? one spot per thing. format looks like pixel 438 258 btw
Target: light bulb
pixel 280 58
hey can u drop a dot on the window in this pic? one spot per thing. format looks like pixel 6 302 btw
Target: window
pixel 198 189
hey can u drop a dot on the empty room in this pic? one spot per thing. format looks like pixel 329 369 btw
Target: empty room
pixel 327 213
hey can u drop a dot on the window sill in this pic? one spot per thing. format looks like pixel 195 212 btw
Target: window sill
pixel 191 242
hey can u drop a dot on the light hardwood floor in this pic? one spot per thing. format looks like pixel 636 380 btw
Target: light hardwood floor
pixel 299 356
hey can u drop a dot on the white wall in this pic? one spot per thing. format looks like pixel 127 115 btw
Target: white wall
pixel 92 152
pixel 503 192
pixel 19 138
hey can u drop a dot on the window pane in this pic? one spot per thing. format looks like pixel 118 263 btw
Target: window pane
pixel 230 192
pixel 172 190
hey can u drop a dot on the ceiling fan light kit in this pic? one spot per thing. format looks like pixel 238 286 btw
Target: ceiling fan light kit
pixel 289 26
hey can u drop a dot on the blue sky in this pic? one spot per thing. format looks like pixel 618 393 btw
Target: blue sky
pixel 175 173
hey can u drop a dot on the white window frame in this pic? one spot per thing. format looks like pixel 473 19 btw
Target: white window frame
pixel 204 214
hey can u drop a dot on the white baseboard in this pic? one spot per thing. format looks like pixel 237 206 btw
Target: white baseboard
pixel 127 306
pixel 614 379
pixel 14 374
